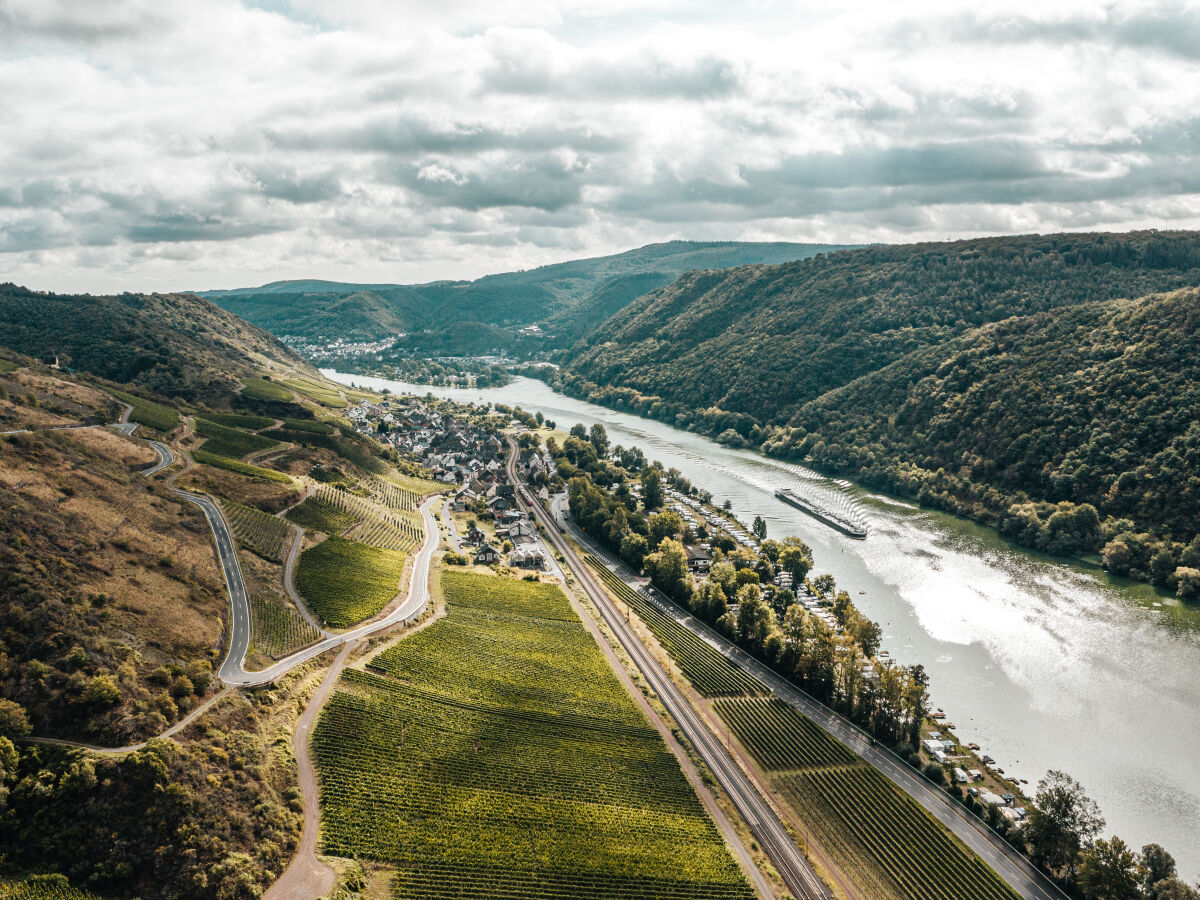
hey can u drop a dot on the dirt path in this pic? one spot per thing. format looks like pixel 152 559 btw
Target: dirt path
pixel 307 877
pixel 289 580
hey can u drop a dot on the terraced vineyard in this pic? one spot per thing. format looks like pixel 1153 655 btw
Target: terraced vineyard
pixel 344 582
pixel 262 389
pixel 231 442
pixel 779 737
pixel 318 391
pixel 402 491
pixel 705 667
pixel 310 426
pixel 276 629
pixel 318 514
pixel 240 420
pixel 206 458
pixel 256 530
pixel 539 779
pixel 859 815
pixel 147 412
pixel 376 526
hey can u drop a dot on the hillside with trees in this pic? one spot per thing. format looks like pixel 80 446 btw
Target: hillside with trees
pixel 997 378
pixel 567 299
pixel 174 345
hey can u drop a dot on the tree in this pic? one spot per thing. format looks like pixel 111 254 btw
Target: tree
pixel 633 549
pixel 652 489
pixel 1062 821
pixel 1188 580
pixel 599 439
pixel 866 633
pixel 663 525
pixel 755 620
pixel 709 601
pixel 667 568
pixel 824 584
pixel 1157 865
pixel 724 574
pixel 1109 871
pixel 797 561
pixel 14 722
pixel 578 431
pixel 759 528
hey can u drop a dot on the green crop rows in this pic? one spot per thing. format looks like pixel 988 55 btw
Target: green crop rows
pixel 256 530
pixel 779 737
pixel 261 389
pixel 377 525
pixel 276 629
pixel 859 813
pixel 43 887
pixel 147 412
pixel 402 491
pixel 495 754
pixel 314 390
pixel 705 667
pixel 240 420
pixel 344 582
pixel 231 442
pixel 318 514
pixel 224 462
pixel 308 425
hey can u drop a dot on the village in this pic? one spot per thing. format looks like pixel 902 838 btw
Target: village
pixel 467 453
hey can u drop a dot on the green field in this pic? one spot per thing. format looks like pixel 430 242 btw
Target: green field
pixel 232 442
pixel 375 525
pixel 403 491
pixel 495 754
pixel 7 365
pixel 240 420
pixel 276 629
pixel 344 582
pixel 262 389
pixel 256 530
pixel 224 462
pixel 707 669
pixel 147 412
pixel 318 514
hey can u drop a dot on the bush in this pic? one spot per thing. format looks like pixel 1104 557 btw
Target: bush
pixel 935 773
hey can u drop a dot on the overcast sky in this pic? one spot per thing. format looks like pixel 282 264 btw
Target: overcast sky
pixel 157 145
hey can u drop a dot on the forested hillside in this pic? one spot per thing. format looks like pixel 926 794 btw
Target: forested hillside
pixel 172 344
pixel 567 298
pixel 996 378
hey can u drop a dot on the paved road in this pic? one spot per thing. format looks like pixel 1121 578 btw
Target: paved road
pixel 232 670
pixel 1020 874
pixel 764 824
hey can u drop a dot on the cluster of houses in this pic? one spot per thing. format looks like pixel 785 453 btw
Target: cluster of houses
pixel 514 527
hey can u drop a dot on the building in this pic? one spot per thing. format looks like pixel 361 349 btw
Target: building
pixel 487 555
pixel 698 559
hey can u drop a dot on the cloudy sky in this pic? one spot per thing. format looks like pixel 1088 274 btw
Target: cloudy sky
pixel 172 144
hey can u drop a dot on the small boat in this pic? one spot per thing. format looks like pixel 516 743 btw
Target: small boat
pixel 972 746
pixel 1023 781
pixel 938 715
pixel 1000 771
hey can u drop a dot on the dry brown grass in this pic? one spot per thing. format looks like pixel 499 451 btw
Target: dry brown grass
pixel 269 496
pixel 82 394
pixel 114 446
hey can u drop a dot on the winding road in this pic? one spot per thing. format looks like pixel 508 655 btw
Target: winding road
pixel 764 824
pixel 1021 875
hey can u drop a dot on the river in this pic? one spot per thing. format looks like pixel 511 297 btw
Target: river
pixel 1045 664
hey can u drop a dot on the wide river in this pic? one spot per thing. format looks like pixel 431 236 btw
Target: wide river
pixel 1046 664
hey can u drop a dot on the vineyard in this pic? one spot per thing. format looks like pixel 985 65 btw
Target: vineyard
pixel 276 629
pixel 231 442
pixel 356 518
pixel 860 815
pixel 510 762
pixel 262 389
pixel 308 425
pixel 344 582
pixel 256 530
pixel 240 420
pixel 43 887
pixel 318 514
pixel 206 458
pixel 778 737
pixel 324 394
pixel 705 667
pixel 402 491
pixel 147 412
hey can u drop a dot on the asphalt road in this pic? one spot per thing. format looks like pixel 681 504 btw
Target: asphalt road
pixel 766 827
pixel 1020 874
pixel 232 670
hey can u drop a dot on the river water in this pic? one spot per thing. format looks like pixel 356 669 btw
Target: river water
pixel 1045 664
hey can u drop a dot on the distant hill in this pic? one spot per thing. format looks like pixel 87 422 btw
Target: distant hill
pixel 974 375
pixel 566 299
pixel 177 345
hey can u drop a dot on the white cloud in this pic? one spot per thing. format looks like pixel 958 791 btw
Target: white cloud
pixel 175 144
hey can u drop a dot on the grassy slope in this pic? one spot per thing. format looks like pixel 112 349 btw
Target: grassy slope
pixel 496 748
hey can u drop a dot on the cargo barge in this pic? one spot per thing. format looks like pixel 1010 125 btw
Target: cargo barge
pixel 833 520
